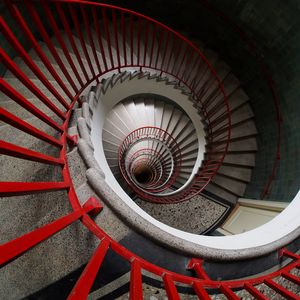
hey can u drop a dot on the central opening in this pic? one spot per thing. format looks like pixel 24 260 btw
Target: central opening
pixel 143 174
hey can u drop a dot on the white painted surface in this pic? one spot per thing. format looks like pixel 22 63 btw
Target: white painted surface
pixel 247 218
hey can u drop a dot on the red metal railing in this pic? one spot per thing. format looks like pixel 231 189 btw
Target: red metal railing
pixel 156 135
pixel 158 163
pixel 81 56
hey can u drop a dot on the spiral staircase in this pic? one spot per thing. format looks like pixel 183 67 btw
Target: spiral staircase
pixel 122 142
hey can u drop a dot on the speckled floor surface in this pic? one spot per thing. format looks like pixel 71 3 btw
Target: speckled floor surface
pixel 195 215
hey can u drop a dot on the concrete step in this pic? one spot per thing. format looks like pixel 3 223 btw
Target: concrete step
pixel 241 159
pixel 249 144
pixel 18 111
pixel 124 115
pixel 141 112
pixel 109 137
pixel 54 63
pixel 26 93
pixel 158 113
pixel 233 186
pixel 110 126
pixel 238 115
pixel 221 193
pixel 234 172
pixel 80 51
pixel 167 115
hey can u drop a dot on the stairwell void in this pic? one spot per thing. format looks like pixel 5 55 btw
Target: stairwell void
pixel 123 143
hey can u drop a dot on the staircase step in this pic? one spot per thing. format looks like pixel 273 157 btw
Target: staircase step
pixel 233 186
pixel 109 137
pixel 79 48
pixel 238 115
pixel 26 93
pixel 111 127
pixel 18 111
pixel 221 193
pixel 234 172
pixel 240 159
pixel 54 63
pixel 167 115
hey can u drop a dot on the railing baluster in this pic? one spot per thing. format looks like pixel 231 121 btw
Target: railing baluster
pixel 22 24
pixel 25 153
pixel 196 265
pixel 171 52
pixel 176 56
pixel 60 40
pixel 18 98
pixel 139 25
pixel 96 25
pixel 123 30
pixel 18 246
pixel 81 40
pixel 146 43
pixel 281 290
pixel 107 33
pixel 161 36
pixel 254 292
pixel 228 292
pixel 28 83
pixel 16 122
pixel 154 30
pixel 24 188
pixel 29 62
pixel 131 38
pixel 290 254
pixel 167 41
pixel 291 278
pixel 86 280
pixel 136 289
pixel 48 42
pixel 115 29
pixel 182 61
pixel 70 37
pixel 200 291
pixel 91 40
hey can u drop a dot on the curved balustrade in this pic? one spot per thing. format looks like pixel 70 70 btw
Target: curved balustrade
pixel 118 39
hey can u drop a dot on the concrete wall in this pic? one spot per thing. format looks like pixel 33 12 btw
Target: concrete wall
pixel 274 26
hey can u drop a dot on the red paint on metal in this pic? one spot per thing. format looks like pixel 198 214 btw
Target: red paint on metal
pixel 254 292
pixel 170 287
pixel 136 289
pixel 24 153
pixel 85 282
pixel 16 122
pixel 228 292
pixel 196 265
pixel 281 290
